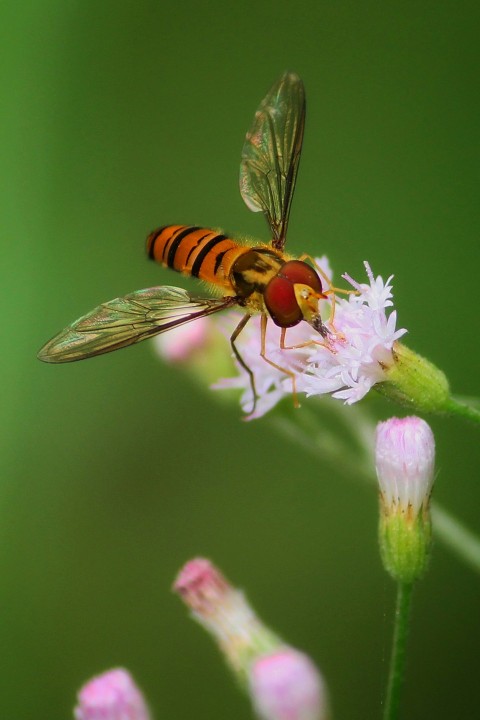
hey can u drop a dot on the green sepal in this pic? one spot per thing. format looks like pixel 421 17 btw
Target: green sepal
pixel 413 381
pixel 405 544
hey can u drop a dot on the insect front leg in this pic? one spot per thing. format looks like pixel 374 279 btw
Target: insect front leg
pixel 307 343
pixel 263 354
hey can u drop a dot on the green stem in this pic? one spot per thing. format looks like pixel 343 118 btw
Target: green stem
pixel 457 407
pixel 456 536
pixel 397 660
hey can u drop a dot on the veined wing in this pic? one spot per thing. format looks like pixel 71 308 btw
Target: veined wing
pixel 128 320
pixel 271 154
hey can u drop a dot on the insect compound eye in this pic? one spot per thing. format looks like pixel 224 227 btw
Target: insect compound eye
pixel 298 272
pixel 281 302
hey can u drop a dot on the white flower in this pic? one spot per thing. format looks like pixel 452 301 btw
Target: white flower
pixel 360 346
pixel 354 358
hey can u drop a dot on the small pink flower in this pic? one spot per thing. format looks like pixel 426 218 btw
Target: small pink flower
pixel 111 696
pixel 287 686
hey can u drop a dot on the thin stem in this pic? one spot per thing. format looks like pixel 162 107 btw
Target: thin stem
pixel 397 660
pixel 456 536
pixel 456 406
pixel 326 446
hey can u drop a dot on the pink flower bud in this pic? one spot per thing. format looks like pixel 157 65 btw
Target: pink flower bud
pixel 111 696
pixel 285 685
pixel 405 456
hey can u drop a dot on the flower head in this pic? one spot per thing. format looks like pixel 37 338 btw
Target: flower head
pixel 111 696
pixel 361 345
pixel 355 357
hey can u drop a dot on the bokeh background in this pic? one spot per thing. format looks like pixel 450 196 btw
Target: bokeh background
pixel 121 116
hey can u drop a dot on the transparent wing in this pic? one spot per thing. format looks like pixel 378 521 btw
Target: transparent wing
pixel 128 320
pixel 271 154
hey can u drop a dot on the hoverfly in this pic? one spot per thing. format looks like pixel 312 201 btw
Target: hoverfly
pixel 258 277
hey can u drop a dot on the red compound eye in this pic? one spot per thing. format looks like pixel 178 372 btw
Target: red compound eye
pixel 281 303
pixel 299 272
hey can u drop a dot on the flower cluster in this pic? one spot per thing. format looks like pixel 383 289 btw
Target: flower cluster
pixel 355 356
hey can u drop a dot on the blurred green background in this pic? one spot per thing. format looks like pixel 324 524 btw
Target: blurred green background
pixel 118 117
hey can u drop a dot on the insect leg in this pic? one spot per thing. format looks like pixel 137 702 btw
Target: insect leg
pixel 239 358
pixel 263 354
pixel 307 343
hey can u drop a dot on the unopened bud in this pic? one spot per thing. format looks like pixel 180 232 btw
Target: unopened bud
pixel 286 685
pixel 282 682
pixel 405 457
pixel 225 613
pixel 111 696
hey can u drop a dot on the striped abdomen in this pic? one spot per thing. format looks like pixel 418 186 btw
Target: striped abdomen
pixel 200 252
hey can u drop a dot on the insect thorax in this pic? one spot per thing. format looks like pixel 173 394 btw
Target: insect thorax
pixel 253 270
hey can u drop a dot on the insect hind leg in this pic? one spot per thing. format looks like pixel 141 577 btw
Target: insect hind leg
pixel 239 358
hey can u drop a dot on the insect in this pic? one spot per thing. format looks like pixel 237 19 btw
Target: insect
pixel 258 277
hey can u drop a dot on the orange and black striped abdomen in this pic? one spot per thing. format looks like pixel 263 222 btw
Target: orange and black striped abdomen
pixel 196 251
